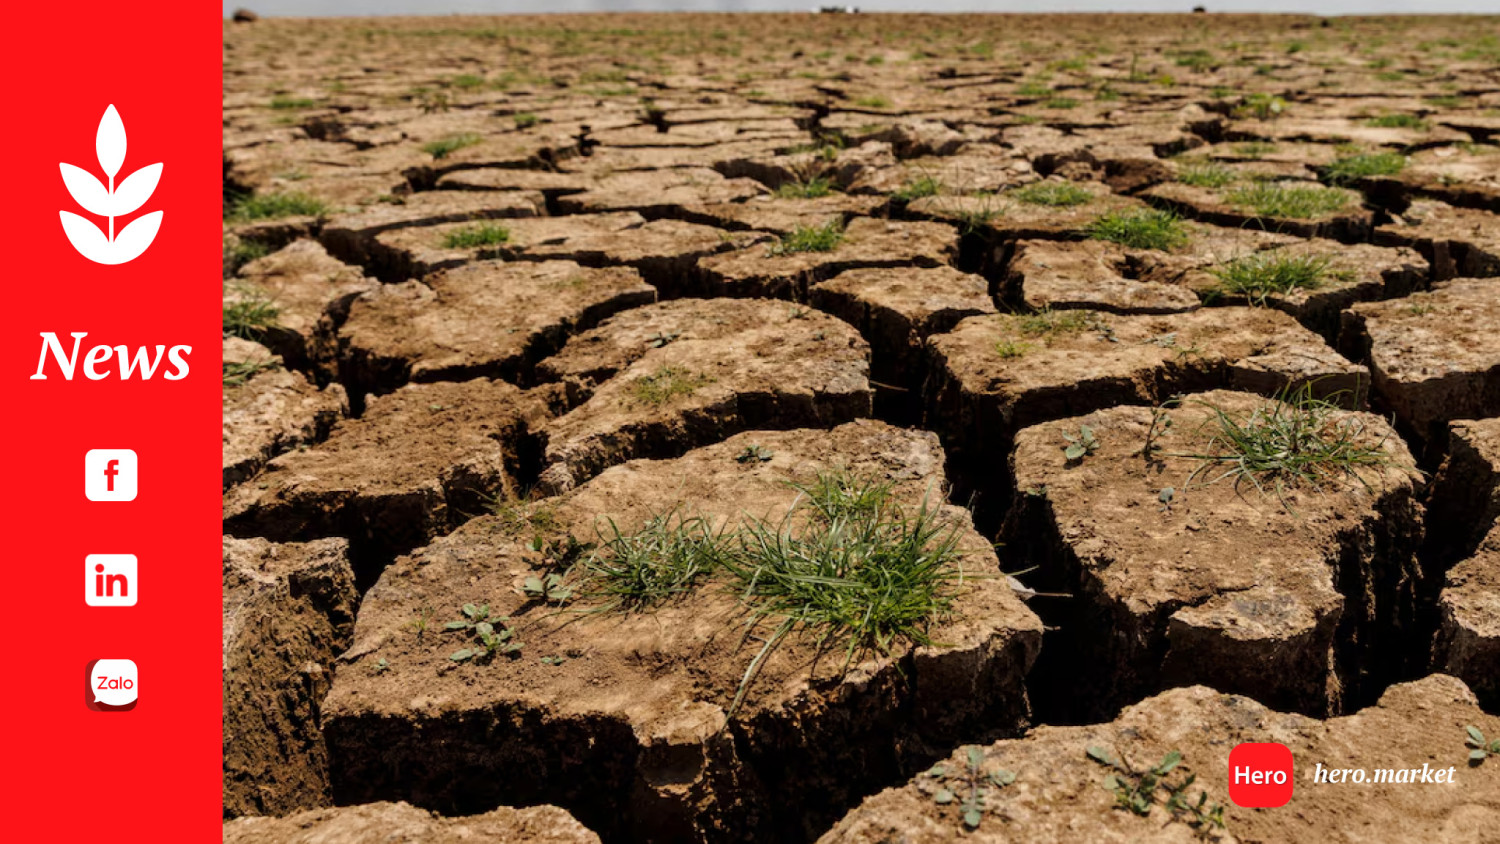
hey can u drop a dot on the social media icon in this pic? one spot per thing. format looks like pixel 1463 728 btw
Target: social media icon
pixel 1260 775
pixel 113 685
pixel 111 580
pixel 109 474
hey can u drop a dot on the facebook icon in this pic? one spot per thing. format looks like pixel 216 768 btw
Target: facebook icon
pixel 109 474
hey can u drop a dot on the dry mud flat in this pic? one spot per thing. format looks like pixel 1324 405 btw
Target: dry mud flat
pixel 491 283
pixel 635 726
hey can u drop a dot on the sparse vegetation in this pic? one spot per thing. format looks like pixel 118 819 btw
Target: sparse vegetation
pixel 824 238
pixel 248 312
pixel 1009 349
pixel 754 454
pixel 270 206
pixel 240 372
pixel 1260 275
pixel 666 384
pixel 526 120
pixel 491 640
pixel 812 188
pixel 1137 791
pixel 919 187
pixel 285 103
pixel 1398 121
pixel 1079 445
pixel 1205 175
pixel 966 788
pixel 1480 748
pixel 444 147
pixel 1054 194
pixel 642 570
pixel 1281 199
pixel 472 237
pixel 1351 168
pixel 1261 107
pixel 1146 228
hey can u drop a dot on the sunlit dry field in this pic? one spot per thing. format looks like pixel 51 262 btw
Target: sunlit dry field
pixel 859 428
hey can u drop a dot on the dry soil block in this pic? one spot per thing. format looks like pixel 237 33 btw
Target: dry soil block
pixel 1468 637
pixel 1352 223
pixel 1303 597
pixel 349 237
pixel 692 372
pixel 1460 242
pixel 1433 356
pixel 659 193
pixel 897 310
pixel 492 319
pixel 418 462
pixel 269 410
pixel 867 242
pixel 665 252
pixel 993 375
pixel 1058 793
pixel 629 727
pixel 311 292
pixel 400 823
pixel 288 611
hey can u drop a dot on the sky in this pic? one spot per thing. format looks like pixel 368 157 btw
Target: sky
pixel 318 8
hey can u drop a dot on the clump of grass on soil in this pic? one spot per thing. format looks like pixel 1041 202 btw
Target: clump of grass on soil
pixel 813 188
pixel 238 253
pixel 1275 199
pixel 270 206
pixel 1397 121
pixel 849 564
pixel 249 313
pixel 918 188
pixel 444 147
pixel 665 384
pixel 284 103
pixel 236 374
pixel 1294 439
pixel 1261 275
pixel 1205 175
pixel 824 238
pixel 1047 322
pixel 1146 228
pixel 639 571
pixel 1352 168
pixel 1053 194
pixel 470 237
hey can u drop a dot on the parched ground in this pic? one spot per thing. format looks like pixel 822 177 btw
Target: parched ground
pixel 1163 347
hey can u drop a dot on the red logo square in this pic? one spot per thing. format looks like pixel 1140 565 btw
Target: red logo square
pixel 1260 775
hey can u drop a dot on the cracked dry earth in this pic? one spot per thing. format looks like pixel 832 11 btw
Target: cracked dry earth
pixel 1182 334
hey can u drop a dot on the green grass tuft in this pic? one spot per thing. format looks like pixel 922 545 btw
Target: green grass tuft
pixel 470 237
pixel 824 238
pixel 1261 275
pixel 918 188
pixel 1053 194
pixel 1352 168
pixel 270 206
pixel 249 313
pixel 1047 322
pixel 285 103
pixel 640 571
pixel 665 384
pixel 444 147
pixel 1277 199
pixel 1398 121
pixel 1205 175
pixel 813 188
pixel 1146 228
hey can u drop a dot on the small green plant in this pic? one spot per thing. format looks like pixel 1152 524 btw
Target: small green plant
pixel 1138 791
pixel 1145 228
pixel 1009 349
pixel 467 81
pixel 1079 445
pixel 549 588
pixel 824 238
pixel 1060 103
pixel 1261 106
pixel 553 660
pixel 1047 322
pixel 813 188
pixel 240 372
pixel 1261 275
pixel 382 666
pixel 526 120
pixel 1053 194
pixel 850 565
pixel 444 147
pixel 754 454
pixel 874 101
pixel 1397 121
pixel 1205 175
pixel 492 641
pixel 1480 749
pixel 666 384
pixel 918 188
pixel 249 313
pixel 284 103
pixel 268 206
pixel 1277 199
pixel 1350 169
pixel 1255 149
pixel 1293 439
pixel 419 624
pixel 969 787
pixel 664 559
pixel 472 237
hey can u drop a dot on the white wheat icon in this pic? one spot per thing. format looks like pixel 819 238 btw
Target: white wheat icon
pixel 110 201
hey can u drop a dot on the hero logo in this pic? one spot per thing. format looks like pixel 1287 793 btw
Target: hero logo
pixel 96 360
pixel 111 201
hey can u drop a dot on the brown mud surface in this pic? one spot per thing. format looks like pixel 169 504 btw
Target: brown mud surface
pixel 490 281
